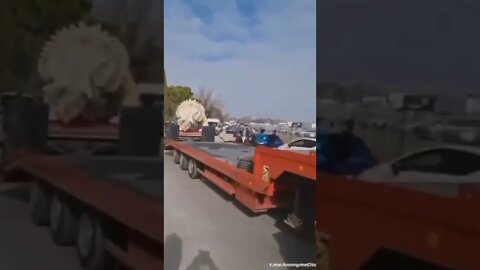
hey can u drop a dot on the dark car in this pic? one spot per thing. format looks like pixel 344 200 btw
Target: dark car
pixel 228 129
pixel 234 130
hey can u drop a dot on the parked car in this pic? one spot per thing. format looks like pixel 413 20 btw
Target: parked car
pixel 304 144
pixel 461 130
pixel 310 133
pixel 235 130
pixel 438 169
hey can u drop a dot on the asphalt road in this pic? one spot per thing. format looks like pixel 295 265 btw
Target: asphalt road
pixel 205 230
pixel 24 246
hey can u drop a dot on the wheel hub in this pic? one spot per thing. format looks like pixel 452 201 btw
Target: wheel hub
pixel 190 167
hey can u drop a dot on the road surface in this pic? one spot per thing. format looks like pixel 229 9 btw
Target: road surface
pixel 24 246
pixel 204 227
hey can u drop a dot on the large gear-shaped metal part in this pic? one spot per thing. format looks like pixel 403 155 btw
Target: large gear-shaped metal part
pixel 80 63
pixel 191 115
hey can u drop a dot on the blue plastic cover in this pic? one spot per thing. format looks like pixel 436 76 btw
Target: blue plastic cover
pixel 336 154
pixel 267 140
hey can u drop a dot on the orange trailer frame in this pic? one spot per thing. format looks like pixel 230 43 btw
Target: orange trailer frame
pixel 140 216
pixel 357 220
pixel 260 190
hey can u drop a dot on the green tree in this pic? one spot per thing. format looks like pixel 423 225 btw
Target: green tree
pixel 174 95
pixel 25 25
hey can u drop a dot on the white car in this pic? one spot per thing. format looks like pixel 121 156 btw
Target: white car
pixel 440 170
pixel 304 144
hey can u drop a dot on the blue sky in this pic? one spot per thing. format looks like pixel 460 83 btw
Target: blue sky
pixel 434 50
pixel 258 56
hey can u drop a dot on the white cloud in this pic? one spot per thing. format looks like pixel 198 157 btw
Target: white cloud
pixel 268 69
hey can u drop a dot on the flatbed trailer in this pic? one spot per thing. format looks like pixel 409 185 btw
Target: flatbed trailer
pixel 363 225
pixel 259 178
pixel 110 205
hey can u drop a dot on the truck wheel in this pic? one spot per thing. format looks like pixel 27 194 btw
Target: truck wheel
pixel 192 169
pixel 39 204
pixel 323 255
pixel 176 156
pixel 183 162
pixel 90 244
pixel 63 222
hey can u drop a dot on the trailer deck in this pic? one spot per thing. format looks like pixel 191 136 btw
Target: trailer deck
pixel 143 174
pixel 260 178
pixel 229 152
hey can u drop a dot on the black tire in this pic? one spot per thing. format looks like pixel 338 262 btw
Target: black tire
pixel 183 162
pixel 208 134
pixel 140 132
pixel 63 222
pixel 193 169
pixel 39 204
pixel 172 132
pixel 91 244
pixel 176 156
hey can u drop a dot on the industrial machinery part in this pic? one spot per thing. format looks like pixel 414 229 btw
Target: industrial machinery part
pixel 85 69
pixel 191 115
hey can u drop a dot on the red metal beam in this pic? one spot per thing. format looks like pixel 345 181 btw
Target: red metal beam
pixel 219 182
pixel 443 230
